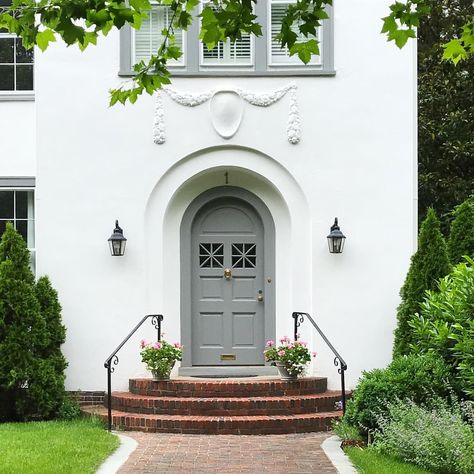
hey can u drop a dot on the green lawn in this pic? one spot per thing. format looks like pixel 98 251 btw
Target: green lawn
pixel 46 447
pixel 368 461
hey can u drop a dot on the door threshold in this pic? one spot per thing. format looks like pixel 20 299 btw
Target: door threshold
pixel 227 371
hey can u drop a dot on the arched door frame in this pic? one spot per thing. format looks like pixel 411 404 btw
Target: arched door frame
pixel 185 266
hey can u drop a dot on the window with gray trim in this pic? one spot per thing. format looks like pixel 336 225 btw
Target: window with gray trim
pixel 251 56
pixel 16 62
pixel 18 207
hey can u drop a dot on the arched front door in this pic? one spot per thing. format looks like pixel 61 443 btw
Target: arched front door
pixel 230 288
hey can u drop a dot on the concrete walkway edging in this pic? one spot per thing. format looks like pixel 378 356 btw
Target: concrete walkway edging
pixel 119 457
pixel 332 448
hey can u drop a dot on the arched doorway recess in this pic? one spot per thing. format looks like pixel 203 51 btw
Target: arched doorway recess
pixel 227 282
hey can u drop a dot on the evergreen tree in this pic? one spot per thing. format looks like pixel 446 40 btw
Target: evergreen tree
pixel 445 113
pixel 46 383
pixel 461 237
pixel 31 364
pixel 428 264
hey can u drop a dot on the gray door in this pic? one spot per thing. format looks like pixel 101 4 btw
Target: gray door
pixel 227 320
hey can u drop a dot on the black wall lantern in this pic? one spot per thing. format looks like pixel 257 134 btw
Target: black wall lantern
pixel 336 238
pixel 117 242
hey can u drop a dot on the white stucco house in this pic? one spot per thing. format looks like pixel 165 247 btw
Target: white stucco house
pixel 225 184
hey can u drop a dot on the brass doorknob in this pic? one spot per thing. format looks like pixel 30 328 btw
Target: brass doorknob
pixel 260 296
pixel 227 274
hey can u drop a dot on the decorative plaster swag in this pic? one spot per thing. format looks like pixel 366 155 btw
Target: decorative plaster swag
pixel 227 110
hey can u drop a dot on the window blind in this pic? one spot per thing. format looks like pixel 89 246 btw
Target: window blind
pixel 228 53
pixel 279 55
pixel 149 37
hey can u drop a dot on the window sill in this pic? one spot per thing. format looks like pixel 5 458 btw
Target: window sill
pixel 237 73
pixel 16 97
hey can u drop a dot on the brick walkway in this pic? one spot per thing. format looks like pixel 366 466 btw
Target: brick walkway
pixel 228 454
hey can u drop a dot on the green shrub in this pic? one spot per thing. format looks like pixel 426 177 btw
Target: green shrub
pixel 445 326
pixel 346 431
pixel 437 438
pixel 428 264
pixel 461 235
pixel 70 408
pixel 415 377
pixel 31 363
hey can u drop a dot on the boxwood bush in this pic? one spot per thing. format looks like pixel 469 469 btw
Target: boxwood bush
pixel 414 377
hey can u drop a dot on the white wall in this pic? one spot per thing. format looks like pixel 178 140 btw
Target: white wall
pixel 355 161
pixel 17 139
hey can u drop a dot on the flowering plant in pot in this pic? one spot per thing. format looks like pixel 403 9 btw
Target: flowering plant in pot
pixel 290 357
pixel 160 357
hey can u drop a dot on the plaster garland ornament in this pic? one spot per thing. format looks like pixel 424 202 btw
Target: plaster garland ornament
pixel 257 99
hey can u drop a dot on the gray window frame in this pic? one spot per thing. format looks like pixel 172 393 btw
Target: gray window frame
pixel 261 67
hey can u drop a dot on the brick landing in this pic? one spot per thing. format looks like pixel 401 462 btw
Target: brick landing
pixel 227 454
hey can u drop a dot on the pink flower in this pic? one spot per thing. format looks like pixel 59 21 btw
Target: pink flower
pixel 281 353
pixel 285 339
pixel 142 343
pixel 270 343
pixel 156 345
pixel 314 354
pixel 303 343
pixel 177 345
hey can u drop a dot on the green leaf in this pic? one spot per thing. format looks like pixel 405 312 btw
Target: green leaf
pixel 43 38
pixel 454 51
pixel 140 5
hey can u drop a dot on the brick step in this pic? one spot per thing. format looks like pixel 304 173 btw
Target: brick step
pixel 248 425
pixel 212 388
pixel 226 406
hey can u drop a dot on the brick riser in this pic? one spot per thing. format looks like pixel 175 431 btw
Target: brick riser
pixel 240 425
pixel 227 388
pixel 227 406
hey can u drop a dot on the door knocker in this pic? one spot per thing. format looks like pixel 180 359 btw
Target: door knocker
pixel 227 274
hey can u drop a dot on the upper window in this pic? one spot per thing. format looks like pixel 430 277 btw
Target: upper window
pixel 248 55
pixel 281 56
pixel 228 53
pixel 149 37
pixel 16 63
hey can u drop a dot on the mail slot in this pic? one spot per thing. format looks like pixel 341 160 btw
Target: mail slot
pixel 228 357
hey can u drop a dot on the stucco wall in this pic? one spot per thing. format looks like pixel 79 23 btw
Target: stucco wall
pixel 356 160
pixel 17 138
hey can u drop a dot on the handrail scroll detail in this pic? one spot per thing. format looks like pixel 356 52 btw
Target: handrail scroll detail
pixel 339 362
pixel 113 360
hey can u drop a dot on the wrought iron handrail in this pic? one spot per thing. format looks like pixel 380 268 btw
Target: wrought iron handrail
pixel 156 320
pixel 338 360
